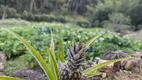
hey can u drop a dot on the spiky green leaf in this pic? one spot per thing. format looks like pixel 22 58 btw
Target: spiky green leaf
pixel 8 78
pixel 52 59
pixel 61 47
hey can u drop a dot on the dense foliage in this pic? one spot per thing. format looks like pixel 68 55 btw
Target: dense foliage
pixel 94 13
pixel 39 36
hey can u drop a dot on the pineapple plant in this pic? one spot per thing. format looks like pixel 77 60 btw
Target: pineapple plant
pixel 72 69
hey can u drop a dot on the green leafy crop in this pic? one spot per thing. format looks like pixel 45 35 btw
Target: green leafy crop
pixel 39 37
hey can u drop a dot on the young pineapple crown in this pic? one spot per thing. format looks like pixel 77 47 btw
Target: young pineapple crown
pixel 76 55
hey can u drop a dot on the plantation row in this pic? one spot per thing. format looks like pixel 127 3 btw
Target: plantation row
pixel 39 36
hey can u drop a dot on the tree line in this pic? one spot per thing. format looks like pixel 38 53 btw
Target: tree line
pixel 96 13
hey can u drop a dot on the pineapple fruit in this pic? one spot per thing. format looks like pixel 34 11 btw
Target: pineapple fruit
pixel 71 70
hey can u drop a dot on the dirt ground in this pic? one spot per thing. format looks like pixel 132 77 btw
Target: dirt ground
pixel 135 35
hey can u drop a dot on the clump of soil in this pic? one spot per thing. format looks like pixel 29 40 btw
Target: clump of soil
pixel 27 74
pixel 126 75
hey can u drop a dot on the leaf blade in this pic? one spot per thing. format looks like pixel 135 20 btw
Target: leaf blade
pixel 61 48
pixel 91 40
pixel 8 78
pixel 52 58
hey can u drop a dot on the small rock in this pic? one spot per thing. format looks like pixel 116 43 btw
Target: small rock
pixel 114 55
pixel 2 57
pixel 29 75
pixel 1 73
pixel 139 54
pixel 1 67
pixel 104 75
pixel 2 61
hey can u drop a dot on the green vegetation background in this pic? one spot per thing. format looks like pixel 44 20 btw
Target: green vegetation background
pixel 111 14
pixel 78 20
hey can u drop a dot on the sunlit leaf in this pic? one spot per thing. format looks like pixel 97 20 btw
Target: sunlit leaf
pixel 52 59
pixel 8 78
pixel 54 65
pixel 52 43
pixel 61 47
pixel 93 74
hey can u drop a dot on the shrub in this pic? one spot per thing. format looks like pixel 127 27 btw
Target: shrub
pixel 101 11
pixel 118 22
pixel 27 16
pixel 9 12
pixel 43 17
pixel 78 20
pixel 119 18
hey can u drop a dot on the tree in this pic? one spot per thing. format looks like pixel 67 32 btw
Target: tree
pixel 78 6
pixel 136 16
pixel 32 5
pixel 4 15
